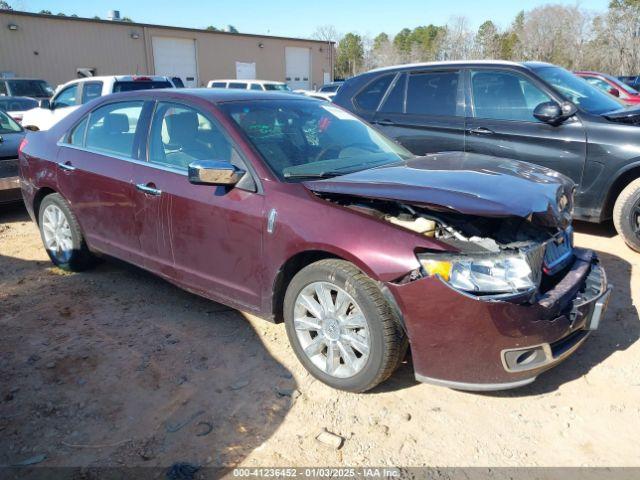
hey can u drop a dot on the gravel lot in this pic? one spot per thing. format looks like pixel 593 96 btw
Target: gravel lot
pixel 117 367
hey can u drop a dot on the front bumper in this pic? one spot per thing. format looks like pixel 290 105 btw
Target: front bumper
pixel 467 343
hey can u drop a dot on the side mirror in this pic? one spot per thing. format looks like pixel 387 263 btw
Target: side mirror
pixel 614 91
pixel 45 103
pixel 553 113
pixel 213 172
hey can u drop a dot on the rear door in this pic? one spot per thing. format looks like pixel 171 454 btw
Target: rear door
pixel 424 111
pixel 96 173
pixel 501 122
pixel 207 238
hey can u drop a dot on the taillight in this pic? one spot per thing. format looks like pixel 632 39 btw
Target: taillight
pixel 23 144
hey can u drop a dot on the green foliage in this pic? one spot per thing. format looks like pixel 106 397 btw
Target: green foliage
pixel 126 19
pixel 380 40
pixel 350 55
pixel 211 28
pixel 402 41
pixel 45 12
pixel 4 5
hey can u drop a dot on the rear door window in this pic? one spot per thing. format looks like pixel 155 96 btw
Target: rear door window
pixel 369 98
pixel 255 86
pixel 238 85
pixel 112 128
pixel 434 93
pixel 77 134
pixel 503 95
pixel 394 103
pixel 3 88
pixel 91 90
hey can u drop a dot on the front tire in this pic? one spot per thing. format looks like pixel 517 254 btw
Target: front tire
pixel 341 327
pixel 61 235
pixel 626 214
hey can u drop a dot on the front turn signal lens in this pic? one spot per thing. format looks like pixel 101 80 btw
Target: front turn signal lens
pixel 437 267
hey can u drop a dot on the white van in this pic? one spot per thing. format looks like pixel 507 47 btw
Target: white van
pixel 260 85
pixel 71 95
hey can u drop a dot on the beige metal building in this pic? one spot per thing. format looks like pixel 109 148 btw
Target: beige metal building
pixel 58 49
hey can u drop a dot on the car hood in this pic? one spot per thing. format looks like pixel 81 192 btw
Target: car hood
pixel 466 183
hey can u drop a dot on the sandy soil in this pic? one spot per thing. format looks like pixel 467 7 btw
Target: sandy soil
pixel 117 367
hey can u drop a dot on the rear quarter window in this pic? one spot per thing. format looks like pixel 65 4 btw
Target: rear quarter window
pixel 369 98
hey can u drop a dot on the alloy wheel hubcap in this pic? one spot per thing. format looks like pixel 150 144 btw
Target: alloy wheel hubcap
pixel 57 233
pixel 332 330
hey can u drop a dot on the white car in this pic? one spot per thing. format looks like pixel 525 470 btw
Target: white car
pixel 71 95
pixel 260 85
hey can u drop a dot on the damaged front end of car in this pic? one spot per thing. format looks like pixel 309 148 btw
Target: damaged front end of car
pixel 503 294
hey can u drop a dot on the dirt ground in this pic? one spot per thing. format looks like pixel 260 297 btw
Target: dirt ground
pixel 117 367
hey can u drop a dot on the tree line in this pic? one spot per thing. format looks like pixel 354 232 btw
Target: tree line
pixel 566 35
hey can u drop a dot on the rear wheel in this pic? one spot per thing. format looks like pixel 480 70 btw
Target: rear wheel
pixel 341 327
pixel 61 235
pixel 626 214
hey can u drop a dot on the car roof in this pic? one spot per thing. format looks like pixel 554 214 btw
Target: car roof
pixel 463 63
pixel 235 80
pixel 23 78
pixel 213 95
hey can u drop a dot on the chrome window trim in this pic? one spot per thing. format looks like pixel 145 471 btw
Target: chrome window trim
pixel 125 159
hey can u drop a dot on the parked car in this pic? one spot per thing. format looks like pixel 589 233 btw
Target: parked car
pixel 16 106
pixel 612 86
pixel 25 87
pixel 291 208
pixel 535 112
pixel 72 94
pixel 331 87
pixel 11 134
pixel 633 81
pixel 258 85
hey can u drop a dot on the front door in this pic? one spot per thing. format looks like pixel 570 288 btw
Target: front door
pixel 424 111
pixel 501 123
pixel 207 238
pixel 96 173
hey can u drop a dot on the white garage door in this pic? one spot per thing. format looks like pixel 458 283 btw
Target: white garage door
pixel 298 67
pixel 176 57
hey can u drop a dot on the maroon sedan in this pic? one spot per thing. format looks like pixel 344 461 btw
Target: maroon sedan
pixel 293 209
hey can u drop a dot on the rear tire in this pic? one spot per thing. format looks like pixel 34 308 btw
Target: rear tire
pixel 626 215
pixel 61 235
pixel 352 340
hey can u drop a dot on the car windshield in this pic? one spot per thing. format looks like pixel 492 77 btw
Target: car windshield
pixel 309 139
pixel 140 85
pixel 29 88
pixel 283 87
pixel 8 124
pixel 17 104
pixel 579 91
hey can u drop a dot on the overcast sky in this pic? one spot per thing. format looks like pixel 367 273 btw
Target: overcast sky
pixel 299 18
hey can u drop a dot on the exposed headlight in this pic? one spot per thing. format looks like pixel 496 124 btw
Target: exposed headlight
pixel 504 273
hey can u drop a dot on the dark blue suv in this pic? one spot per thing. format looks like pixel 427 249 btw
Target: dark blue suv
pixel 535 112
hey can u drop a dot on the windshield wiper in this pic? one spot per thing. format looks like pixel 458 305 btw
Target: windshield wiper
pixel 329 174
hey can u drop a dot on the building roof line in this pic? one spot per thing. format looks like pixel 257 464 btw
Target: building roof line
pixel 151 25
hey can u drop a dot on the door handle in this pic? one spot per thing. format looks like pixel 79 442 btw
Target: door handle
pixel 67 166
pixel 148 189
pixel 481 131
pixel 384 122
